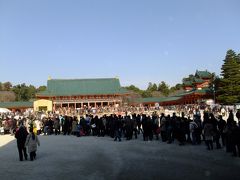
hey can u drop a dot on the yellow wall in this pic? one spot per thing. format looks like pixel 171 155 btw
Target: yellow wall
pixel 37 105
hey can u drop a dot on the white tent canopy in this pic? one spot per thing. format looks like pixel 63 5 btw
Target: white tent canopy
pixel 4 110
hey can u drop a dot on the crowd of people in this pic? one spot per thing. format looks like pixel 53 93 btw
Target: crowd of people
pixel 188 125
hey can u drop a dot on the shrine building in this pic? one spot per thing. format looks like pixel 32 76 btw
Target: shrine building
pixel 196 89
pixel 78 93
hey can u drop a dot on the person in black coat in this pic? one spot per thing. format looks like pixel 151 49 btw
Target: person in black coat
pixel 238 116
pixel 68 125
pixel 117 129
pixel 170 124
pixel 215 130
pixel 128 127
pixel 139 123
pixel 221 125
pixel 21 136
pixel 144 126
pixel 149 128
pixel 56 125
pixel 235 136
pixel 228 131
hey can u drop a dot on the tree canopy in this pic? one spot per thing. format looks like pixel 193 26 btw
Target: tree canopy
pixel 20 92
pixel 154 90
pixel 229 86
pixel 164 88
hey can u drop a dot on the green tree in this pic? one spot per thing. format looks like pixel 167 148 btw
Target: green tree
pixel 150 86
pixel 154 87
pixel 6 86
pixel 31 92
pixel 24 92
pixel 133 88
pixel 164 88
pixel 177 87
pixel 191 77
pixel 217 83
pixel 1 86
pixel 17 90
pixel 41 88
pixel 238 58
pixel 229 90
pixel 146 94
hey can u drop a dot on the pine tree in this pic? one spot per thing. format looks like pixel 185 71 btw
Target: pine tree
pixel 164 88
pixel 229 91
pixel 150 85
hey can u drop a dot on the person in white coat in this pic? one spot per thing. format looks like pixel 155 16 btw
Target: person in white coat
pixel 31 142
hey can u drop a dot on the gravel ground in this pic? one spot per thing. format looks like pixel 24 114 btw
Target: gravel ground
pixel 68 157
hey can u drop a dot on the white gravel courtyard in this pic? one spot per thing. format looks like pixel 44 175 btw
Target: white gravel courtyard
pixel 68 157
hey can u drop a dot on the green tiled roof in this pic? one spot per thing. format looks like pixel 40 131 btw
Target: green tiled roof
pixel 172 98
pixel 185 93
pixel 68 87
pixel 205 90
pixel 188 83
pixel 203 74
pixel 202 91
pixel 16 104
pixel 198 80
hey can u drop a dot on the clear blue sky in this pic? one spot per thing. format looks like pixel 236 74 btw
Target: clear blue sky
pixel 139 41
